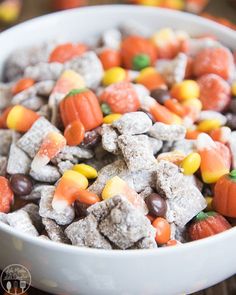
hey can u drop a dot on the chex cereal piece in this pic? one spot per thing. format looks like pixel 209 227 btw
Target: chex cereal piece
pixel 24 95
pixel 43 237
pixel 33 103
pixel 166 132
pixel 5 141
pixel 31 140
pixel 186 146
pixel 3 166
pixel 232 146
pixel 173 71
pixel 18 161
pixel 54 231
pixel 109 139
pixel 44 71
pixel 85 233
pixel 111 38
pixel 133 123
pixel 131 27
pixel 44 88
pixel 107 172
pixel 47 173
pixel 3 218
pixel 89 67
pixel 63 166
pixel 45 112
pixel 5 95
pixel 36 193
pixel 167 146
pixel 24 57
pixel 137 152
pixel 143 178
pixel 21 221
pixel 46 210
pixel 33 211
pixel 121 222
pixel 145 243
pixel 156 144
pixel 184 199
pixel 73 153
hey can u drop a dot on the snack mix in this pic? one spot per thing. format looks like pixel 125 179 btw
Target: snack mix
pixel 125 143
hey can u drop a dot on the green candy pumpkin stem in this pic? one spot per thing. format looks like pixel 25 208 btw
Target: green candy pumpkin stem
pixel 232 174
pixel 203 215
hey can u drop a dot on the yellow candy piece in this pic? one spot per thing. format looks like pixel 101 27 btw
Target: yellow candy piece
pixel 145 72
pixel 195 102
pixel 187 89
pixel 209 203
pixel 109 119
pixel 191 164
pixel 114 75
pixel 113 187
pixel 86 170
pixel 233 87
pixel 75 177
pixel 209 125
pixel 9 11
pixel 149 2
pixel 163 36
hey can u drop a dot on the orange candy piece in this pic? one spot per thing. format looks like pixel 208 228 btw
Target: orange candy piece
pixel 87 197
pixel 153 81
pixel 217 61
pixel 121 98
pixel 22 84
pixel 174 106
pixel 163 230
pixel 214 92
pixel 52 144
pixel 110 58
pixel 74 133
pixel 215 158
pixel 65 52
pixel 6 195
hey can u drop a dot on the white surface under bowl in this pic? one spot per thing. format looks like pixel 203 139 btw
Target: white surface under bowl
pixel 63 269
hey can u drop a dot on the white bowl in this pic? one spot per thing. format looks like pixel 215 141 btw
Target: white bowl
pixel 64 269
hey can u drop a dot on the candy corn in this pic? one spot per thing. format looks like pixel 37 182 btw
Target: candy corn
pixel 213 163
pixel 151 79
pixel 22 85
pixel 221 134
pixel 21 119
pixel 68 80
pixel 117 186
pixel 52 144
pixel 160 113
pixel 65 52
pixel 68 188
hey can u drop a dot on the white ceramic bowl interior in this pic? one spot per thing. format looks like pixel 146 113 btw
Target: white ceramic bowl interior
pixel 64 269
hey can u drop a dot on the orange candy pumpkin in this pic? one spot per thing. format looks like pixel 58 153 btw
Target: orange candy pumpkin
pixel 207 224
pixel 224 200
pixel 81 105
pixel 137 52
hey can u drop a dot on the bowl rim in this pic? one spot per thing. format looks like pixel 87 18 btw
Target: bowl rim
pixel 116 253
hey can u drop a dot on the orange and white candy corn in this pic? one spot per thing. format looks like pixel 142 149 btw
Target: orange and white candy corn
pixel 117 186
pixel 213 162
pixel 68 189
pixel 221 134
pixel 52 144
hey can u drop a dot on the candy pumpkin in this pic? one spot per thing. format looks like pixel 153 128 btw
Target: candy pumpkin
pixel 207 224
pixel 137 52
pixel 224 200
pixel 121 98
pixel 81 105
